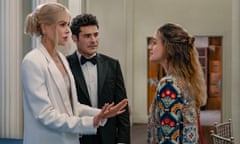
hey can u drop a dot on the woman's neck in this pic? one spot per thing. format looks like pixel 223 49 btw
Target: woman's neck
pixel 50 48
pixel 166 68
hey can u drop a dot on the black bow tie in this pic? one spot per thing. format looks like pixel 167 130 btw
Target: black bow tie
pixel 93 60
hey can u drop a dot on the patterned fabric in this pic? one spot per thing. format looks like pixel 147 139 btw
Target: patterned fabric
pixel 173 115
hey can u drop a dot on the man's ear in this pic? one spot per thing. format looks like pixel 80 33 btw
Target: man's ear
pixel 74 38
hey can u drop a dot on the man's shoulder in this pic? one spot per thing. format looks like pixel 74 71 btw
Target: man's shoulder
pixel 106 57
pixel 71 56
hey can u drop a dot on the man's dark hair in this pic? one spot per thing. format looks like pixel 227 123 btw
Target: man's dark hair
pixel 81 21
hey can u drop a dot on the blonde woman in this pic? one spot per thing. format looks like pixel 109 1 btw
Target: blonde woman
pixel 174 114
pixel 52 114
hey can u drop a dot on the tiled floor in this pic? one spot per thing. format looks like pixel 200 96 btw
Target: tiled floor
pixel 139 134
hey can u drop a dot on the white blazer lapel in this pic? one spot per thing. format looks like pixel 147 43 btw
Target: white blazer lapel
pixel 59 81
pixel 72 83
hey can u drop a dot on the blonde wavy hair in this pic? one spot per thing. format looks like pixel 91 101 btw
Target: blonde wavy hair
pixel 182 59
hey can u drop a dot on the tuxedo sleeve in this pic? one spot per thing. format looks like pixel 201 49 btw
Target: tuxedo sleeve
pixel 123 122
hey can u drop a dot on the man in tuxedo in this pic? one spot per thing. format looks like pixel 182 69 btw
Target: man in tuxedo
pixel 98 81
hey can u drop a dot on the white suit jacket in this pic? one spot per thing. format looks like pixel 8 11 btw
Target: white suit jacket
pixel 50 117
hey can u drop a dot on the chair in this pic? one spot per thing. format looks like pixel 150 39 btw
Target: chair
pixel 224 129
pixel 217 139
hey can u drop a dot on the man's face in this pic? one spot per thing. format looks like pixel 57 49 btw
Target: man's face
pixel 88 40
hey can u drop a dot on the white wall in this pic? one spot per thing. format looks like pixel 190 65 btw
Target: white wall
pixel 235 69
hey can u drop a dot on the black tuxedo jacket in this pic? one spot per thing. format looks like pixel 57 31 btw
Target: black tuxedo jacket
pixel 110 89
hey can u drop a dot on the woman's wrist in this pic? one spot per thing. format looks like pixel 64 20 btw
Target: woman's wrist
pixel 96 121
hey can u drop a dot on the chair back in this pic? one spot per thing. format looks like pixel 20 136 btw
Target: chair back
pixel 217 139
pixel 224 129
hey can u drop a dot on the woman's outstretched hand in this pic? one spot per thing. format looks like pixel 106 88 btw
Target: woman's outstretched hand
pixel 110 110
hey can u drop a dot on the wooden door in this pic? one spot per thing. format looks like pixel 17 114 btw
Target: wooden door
pixel 214 100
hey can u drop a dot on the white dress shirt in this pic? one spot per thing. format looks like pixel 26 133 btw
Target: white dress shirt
pixel 90 74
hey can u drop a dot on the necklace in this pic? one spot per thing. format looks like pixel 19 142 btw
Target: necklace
pixel 56 59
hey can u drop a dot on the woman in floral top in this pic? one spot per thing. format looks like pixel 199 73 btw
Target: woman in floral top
pixel 173 117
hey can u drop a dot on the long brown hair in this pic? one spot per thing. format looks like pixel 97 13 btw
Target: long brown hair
pixel 182 59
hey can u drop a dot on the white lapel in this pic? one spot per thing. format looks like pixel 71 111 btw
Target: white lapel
pixel 72 83
pixel 59 80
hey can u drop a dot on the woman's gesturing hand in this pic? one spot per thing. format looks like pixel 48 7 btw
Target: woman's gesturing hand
pixel 110 110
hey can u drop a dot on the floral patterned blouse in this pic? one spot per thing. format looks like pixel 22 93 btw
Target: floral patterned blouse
pixel 173 114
